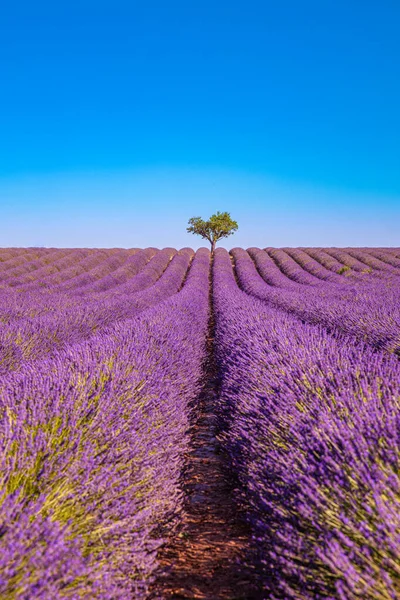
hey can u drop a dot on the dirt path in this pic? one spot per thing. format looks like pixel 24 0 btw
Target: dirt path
pixel 206 560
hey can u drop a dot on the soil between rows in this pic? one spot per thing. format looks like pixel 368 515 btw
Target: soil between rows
pixel 207 560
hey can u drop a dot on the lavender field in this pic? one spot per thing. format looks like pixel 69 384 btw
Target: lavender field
pixel 171 418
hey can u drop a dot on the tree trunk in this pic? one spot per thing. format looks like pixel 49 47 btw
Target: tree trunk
pixel 213 246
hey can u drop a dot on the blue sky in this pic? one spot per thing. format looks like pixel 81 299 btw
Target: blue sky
pixel 120 120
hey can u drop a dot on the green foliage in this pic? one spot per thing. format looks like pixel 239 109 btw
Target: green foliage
pixel 218 226
pixel 343 270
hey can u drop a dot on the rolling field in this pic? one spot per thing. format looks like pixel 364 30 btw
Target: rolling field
pixel 180 425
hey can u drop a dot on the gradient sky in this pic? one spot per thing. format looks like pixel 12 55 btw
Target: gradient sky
pixel 120 120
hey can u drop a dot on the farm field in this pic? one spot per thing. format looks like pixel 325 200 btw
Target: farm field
pixel 176 424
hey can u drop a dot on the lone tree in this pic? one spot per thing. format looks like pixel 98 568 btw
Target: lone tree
pixel 218 226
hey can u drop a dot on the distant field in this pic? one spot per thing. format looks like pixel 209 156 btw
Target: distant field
pixel 104 357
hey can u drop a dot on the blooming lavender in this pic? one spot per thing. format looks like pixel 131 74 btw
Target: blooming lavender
pixel 313 266
pixel 13 257
pixel 69 318
pixel 13 274
pixel 311 423
pixel 92 446
pixel 327 261
pixel 102 356
pixel 348 260
pixel 291 268
pixel 369 311
pixel 385 256
pixel 71 266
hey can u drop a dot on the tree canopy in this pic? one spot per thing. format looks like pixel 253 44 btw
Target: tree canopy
pixel 220 225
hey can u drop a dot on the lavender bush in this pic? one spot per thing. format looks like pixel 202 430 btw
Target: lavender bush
pixel 369 311
pixel 102 356
pixel 312 427
pixel 92 447
pixel 70 318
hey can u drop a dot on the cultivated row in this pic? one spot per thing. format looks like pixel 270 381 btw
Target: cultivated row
pixel 311 423
pixel 92 447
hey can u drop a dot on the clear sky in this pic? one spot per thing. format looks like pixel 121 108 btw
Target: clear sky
pixel 120 120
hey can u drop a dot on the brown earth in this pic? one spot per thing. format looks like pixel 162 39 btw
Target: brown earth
pixel 206 559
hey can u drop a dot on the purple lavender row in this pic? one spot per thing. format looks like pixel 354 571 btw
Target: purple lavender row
pixel 298 267
pixel 327 261
pixel 36 300
pixel 132 266
pixel 93 443
pixel 312 266
pixel 268 269
pixel 25 340
pixel 370 312
pixel 363 260
pixel 10 255
pixel 60 265
pixel 24 255
pixel 378 268
pixel 152 271
pixel 383 254
pixel 7 253
pixel 291 268
pixel 386 257
pixel 369 260
pixel 99 270
pixel 272 275
pixel 311 423
pixel 34 263
pixel 90 271
pixel 308 265
pixel 77 262
pixel 35 323
pixel 357 262
pixel 348 260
